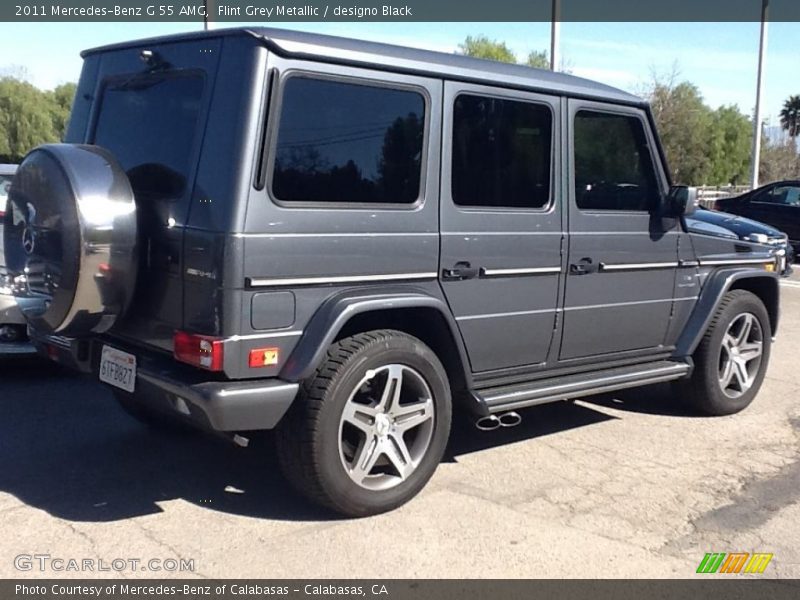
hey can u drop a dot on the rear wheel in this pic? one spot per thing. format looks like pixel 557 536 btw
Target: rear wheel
pixel 732 358
pixel 369 428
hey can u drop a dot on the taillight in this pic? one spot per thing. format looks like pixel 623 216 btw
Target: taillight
pixel 201 351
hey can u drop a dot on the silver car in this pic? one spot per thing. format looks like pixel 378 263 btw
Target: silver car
pixel 12 324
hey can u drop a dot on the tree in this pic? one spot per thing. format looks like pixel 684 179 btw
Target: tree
pixel 538 59
pixel 25 119
pixel 482 47
pixel 61 100
pixel 790 116
pixel 779 160
pixel 730 140
pixel 30 117
pixel 684 123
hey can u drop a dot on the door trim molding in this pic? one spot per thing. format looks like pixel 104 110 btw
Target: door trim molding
pixel 484 272
pixel 256 282
pixel 637 266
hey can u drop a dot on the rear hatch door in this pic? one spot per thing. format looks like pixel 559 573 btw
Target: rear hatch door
pixel 149 109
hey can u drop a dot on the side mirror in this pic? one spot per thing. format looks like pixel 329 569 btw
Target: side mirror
pixel 681 201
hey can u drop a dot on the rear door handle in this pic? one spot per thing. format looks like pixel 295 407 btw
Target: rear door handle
pixel 583 267
pixel 460 271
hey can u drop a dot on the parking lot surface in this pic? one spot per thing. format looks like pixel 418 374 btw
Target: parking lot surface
pixel 624 485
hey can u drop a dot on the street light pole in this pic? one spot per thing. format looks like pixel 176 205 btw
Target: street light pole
pixel 555 32
pixel 208 5
pixel 762 45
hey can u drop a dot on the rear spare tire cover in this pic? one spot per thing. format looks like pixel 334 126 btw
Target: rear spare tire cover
pixel 70 239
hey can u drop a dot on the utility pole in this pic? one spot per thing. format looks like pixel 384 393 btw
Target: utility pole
pixel 208 6
pixel 555 27
pixel 762 46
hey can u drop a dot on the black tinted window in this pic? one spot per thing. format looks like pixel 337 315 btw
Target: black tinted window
pixel 343 142
pixel 783 194
pixel 149 123
pixel 613 168
pixel 501 153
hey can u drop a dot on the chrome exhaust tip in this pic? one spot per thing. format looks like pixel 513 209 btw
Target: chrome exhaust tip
pixel 488 423
pixel 510 419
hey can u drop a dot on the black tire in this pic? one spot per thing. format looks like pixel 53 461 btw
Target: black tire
pixel 150 417
pixel 704 391
pixel 309 437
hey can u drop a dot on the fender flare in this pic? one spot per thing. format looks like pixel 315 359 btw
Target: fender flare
pixel 717 285
pixel 335 313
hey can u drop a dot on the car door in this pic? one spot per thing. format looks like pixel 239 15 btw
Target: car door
pixel 778 206
pixel 622 260
pixel 501 224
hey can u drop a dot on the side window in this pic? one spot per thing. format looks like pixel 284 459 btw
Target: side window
pixel 784 194
pixel 613 166
pixel 346 142
pixel 501 152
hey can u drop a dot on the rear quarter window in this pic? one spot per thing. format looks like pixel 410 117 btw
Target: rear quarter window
pixel 343 142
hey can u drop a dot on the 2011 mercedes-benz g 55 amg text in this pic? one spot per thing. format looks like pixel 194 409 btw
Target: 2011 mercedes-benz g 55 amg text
pixel 347 242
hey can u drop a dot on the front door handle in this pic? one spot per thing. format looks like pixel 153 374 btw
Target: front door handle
pixel 583 267
pixel 460 271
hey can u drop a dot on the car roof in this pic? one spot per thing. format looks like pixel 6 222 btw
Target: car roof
pixel 327 48
pixel 6 169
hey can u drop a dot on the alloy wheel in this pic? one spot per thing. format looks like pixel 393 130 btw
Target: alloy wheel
pixel 386 426
pixel 740 355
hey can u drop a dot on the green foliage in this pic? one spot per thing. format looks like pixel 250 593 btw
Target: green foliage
pixel 61 98
pixel 703 146
pixel 730 142
pixel 482 47
pixel 538 59
pixel 684 123
pixel 30 117
pixel 790 116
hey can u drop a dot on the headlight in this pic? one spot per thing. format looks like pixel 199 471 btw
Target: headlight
pixel 758 238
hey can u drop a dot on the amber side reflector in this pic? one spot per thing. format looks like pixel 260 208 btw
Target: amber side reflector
pixel 263 357
pixel 770 267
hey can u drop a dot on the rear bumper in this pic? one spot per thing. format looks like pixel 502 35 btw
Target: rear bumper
pixel 182 391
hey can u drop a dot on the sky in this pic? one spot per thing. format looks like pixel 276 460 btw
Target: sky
pixel 720 58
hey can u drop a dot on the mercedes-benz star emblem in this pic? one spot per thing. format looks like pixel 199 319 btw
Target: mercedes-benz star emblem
pixel 28 240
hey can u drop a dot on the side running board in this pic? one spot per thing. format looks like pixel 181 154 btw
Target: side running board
pixel 520 395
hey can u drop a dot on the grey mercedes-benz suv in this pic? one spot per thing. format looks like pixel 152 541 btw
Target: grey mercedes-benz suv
pixel 348 242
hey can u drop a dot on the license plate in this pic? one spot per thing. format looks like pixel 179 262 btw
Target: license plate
pixel 118 368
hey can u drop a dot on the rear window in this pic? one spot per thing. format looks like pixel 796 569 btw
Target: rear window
pixel 149 123
pixel 345 142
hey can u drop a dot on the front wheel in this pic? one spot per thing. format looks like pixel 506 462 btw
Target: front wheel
pixel 732 358
pixel 368 430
